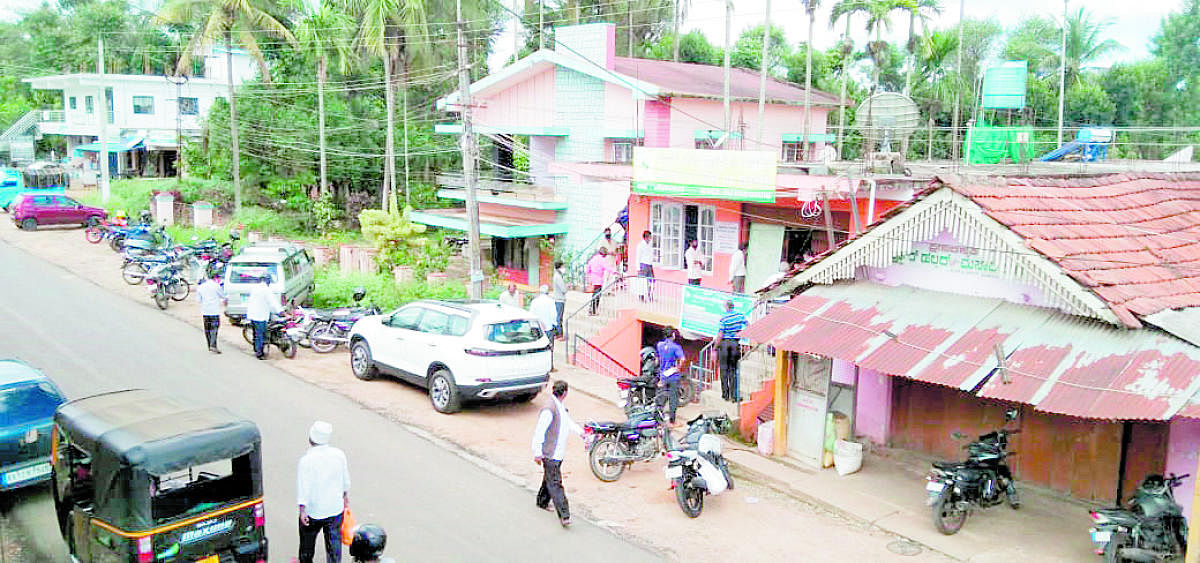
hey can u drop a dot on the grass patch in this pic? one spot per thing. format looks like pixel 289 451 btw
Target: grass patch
pixel 334 289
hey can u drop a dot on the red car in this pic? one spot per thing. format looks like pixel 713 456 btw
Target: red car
pixel 36 209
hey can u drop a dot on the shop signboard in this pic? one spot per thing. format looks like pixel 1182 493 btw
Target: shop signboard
pixel 702 309
pixel 707 174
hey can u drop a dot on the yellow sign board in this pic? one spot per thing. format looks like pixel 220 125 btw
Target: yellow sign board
pixel 710 174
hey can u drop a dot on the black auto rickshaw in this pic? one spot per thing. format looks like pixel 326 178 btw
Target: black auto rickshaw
pixel 139 476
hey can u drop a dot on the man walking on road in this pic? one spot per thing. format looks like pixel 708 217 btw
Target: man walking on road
pixel 670 359
pixel 543 308
pixel 259 306
pixel 729 351
pixel 554 426
pixel 212 299
pixel 323 493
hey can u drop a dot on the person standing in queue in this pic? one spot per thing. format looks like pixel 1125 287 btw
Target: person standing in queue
pixel 260 305
pixel 729 351
pixel 510 296
pixel 554 426
pixel 694 262
pixel 737 268
pixel 323 494
pixel 670 360
pixel 560 296
pixel 212 300
pixel 645 264
pixel 598 272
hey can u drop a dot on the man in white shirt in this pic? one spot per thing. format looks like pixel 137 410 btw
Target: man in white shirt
pixel 212 299
pixel 737 268
pixel 323 494
pixel 694 263
pixel 510 296
pixel 550 435
pixel 546 312
pixel 260 305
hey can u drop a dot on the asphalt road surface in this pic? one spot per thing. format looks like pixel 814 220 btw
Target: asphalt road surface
pixel 435 504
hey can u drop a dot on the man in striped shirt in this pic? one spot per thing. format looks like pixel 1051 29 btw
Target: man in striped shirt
pixel 729 351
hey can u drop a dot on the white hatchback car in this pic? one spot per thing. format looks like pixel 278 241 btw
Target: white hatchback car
pixel 458 350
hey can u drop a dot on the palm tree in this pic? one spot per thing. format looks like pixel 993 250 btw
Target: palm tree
pixel 844 9
pixel 223 20
pixel 1083 42
pixel 810 7
pixel 322 33
pixel 922 10
pixel 393 30
pixel 879 18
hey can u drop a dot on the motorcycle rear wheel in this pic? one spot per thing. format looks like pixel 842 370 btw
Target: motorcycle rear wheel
pixel 134 273
pixel 947 518
pixel 179 289
pixel 322 341
pixel 1112 549
pixel 691 499
pixel 607 446
pixel 248 333
pixel 94 234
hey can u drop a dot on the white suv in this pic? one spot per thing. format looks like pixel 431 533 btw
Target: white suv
pixel 459 350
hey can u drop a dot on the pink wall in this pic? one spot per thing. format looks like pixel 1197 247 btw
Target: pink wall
pixel 658 124
pixel 691 114
pixel 1183 442
pixel 621 111
pixel 727 212
pixel 622 339
pixel 528 103
pixel 873 413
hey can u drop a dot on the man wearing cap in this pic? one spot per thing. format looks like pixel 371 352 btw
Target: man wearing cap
pixel 546 312
pixel 323 493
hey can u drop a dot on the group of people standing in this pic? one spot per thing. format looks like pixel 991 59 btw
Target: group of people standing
pixel 260 305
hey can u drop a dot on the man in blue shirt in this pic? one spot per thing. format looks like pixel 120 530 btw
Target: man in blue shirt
pixel 729 351
pixel 670 361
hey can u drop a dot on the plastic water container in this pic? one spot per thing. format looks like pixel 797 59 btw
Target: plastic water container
pixel 847 457
pixel 766 438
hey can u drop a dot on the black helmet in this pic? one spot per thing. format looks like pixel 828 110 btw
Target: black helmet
pixel 368 543
pixel 359 293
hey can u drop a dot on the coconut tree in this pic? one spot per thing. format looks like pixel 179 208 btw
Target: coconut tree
pixel 1084 43
pixel 810 7
pixel 395 31
pixel 228 22
pixel 922 10
pixel 322 33
pixel 844 9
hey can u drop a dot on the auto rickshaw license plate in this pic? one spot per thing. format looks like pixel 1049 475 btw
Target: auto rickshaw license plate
pixel 209 559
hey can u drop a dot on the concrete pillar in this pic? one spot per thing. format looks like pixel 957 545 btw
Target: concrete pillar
pixel 202 214
pixel 164 209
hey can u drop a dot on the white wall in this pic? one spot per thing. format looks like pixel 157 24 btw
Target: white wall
pixel 79 122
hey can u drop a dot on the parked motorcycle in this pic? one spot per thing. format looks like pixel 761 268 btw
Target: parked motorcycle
pixel 277 334
pixel 614 446
pixel 688 389
pixel 696 466
pixel 637 393
pixel 1151 529
pixel 166 284
pixel 333 325
pixel 983 480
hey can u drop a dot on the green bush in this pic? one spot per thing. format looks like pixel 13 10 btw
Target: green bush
pixel 334 288
pixel 268 221
pixel 133 195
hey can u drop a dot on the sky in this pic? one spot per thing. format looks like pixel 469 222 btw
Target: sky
pixel 1129 27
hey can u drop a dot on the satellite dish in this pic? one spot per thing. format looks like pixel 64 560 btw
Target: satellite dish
pixel 887 116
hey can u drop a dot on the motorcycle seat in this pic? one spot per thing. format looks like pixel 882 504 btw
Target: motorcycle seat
pixel 948 465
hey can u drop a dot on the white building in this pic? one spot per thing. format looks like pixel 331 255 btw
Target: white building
pixel 145 112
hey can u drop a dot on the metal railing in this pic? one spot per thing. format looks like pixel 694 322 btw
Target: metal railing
pixel 706 368
pixel 586 355
pixel 53 116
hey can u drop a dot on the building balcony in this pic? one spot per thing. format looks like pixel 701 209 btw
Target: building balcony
pixel 494 189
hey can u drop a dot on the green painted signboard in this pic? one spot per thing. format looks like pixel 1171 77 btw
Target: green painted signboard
pixel 702 308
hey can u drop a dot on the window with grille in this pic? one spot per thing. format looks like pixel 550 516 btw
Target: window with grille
pixel 189 106
pixel 143 104
pixel 793 152
pixel 623 149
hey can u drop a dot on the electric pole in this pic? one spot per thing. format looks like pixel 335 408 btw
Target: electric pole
pixel 102 114
pixel 728 48
pixel 957 91
pixel 762 71
pixel 475 281
pixel 178 80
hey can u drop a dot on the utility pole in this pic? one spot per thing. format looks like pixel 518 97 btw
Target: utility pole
pixel 178 80
pixel 1062 73
pixel 728 48
pixel 475 281
pixel 102 113
pixel 233 124
pixel 762 72
pixel 957 91
pixel 675 31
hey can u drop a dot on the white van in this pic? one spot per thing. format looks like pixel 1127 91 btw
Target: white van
pixel 288 265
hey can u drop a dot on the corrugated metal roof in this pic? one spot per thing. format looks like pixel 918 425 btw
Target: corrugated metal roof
pixel 689 79
pixel 1058 363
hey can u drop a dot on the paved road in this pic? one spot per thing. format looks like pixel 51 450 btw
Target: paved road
pixel 435 505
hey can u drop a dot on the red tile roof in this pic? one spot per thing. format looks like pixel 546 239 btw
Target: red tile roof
pixel 707 81
pixel 1133 239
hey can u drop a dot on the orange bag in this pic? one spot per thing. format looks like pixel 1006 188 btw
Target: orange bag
pixel 347 527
